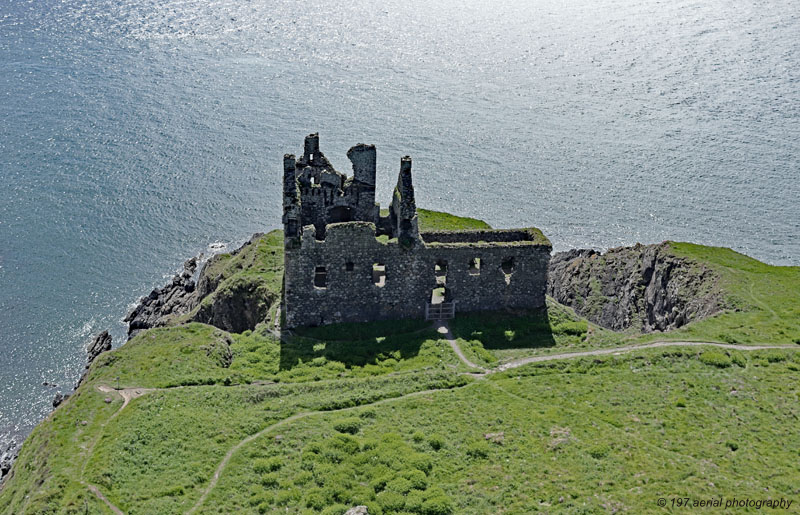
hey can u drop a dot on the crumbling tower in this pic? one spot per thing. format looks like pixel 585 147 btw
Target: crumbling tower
pixel 339 265
pixel 291 198
pixel 403 210
pixel 316 194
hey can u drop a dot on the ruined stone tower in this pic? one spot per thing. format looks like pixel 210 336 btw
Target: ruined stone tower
pixel 346 262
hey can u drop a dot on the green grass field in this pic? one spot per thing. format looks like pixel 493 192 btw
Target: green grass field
pixel 766 299
pixel 383 414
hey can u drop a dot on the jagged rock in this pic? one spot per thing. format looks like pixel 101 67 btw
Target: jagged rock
pixel 176 298
pixel 357 510
pixel 8 453
pixel 59 398
pixel 208 282
pixel 644 286
pixel 101 344
pixel 238 308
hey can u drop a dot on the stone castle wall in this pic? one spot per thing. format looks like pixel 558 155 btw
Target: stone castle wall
pixel 336 270
pixel 350 293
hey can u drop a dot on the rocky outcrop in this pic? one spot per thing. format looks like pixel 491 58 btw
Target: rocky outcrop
pixel 176 298
pixel 100 344
pixel 58 399
pixel 237 305
pixel 645 287
pixel 8 453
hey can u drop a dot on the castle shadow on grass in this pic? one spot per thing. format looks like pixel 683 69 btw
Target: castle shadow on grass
pixel 387 346
pixel 498 330
pixel 381 344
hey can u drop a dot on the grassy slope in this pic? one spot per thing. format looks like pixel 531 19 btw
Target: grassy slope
pixel 256 269
pixel 614 433
pixel 665 415
pixel 766 298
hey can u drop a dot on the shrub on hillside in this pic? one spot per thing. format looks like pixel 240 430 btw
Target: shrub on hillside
pixel 776 356
pixel 390 500
pixel 738 358
pixel 436 442
pixel 440 505
pixel 264 465
pixel 716 359
pixel 348 425
pixel 478 450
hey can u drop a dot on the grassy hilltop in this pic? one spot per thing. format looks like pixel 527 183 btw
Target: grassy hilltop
pixel 387 415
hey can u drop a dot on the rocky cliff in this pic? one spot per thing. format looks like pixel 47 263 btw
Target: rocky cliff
pixel 644 287
pixel 233 292
pixel 174 299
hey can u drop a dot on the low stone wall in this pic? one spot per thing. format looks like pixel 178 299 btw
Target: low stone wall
pixel 508 275
pixel 483 235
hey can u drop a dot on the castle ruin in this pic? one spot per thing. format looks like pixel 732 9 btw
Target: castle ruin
pixel 345 261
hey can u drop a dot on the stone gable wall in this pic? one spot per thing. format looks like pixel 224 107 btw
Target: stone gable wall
pixel 351 295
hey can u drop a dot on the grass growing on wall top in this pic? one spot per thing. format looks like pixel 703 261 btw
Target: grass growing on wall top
pixel 438 221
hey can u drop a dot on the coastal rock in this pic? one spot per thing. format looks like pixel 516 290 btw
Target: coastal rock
pixel 100 344
pixel 644 286
pixel 175 299
pixel 209 279
pixel 8 453
pixel 237 307
pixel 58 399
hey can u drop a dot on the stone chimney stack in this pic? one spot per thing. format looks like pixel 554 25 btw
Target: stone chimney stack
pixel 403 205
pixel 311 148
pixel 289 179
pixel 291 200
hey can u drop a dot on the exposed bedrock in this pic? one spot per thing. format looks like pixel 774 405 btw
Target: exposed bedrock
pixel 174 299
pixel 236 307
pixel 233 306
pixel 8 453
pixel 645 287
pixel 100 344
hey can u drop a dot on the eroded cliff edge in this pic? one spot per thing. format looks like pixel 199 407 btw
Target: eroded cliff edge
pixel 644 287
pixel 233 292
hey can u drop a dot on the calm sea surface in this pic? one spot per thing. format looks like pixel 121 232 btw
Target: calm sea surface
pixel 134 133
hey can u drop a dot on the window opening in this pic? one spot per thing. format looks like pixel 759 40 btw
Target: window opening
pixel 475 266
pixel 320 277
pixel 379 274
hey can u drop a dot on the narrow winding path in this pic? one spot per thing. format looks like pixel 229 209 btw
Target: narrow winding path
pixel 442 328
pixel 102 497
pixel 127 394
pixel 629 348
pixel 285 421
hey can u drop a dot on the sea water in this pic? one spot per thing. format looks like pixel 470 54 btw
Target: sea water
pixel 135 133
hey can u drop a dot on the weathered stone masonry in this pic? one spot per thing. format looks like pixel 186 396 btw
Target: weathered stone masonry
pixel 337 270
